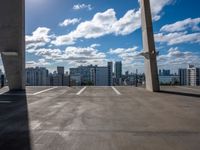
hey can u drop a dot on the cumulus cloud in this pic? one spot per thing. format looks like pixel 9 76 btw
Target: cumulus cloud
pixel 157 6
pixel 68 22
pixel 82 6
pixel 177 58
pixel 40 63
pixel 184 31
pixel 183 25
pixel 76 54
pixel 127 55
pixel 177 38
pixel 40 37
pixel 104 23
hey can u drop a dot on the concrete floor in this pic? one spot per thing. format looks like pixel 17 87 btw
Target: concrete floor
pixel 100 118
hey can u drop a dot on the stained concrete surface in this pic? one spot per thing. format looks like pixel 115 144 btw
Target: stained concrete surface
pixel 100 119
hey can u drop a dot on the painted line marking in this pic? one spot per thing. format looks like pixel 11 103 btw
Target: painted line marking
pixel 116 91
pixel 44 91
pixel 81 91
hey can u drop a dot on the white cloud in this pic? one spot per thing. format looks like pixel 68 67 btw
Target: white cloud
pixel 157 6
pixel 86 55
pixel 128 56
pixel 104 23
pixel 68 22
pixel 177 38
pixel 95 45
pixel 183 25
pixel 40 63
pixel 40 37
pixel 178 58
pixel 82 6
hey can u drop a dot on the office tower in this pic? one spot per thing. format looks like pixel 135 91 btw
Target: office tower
pixel 60 76
pixel 101 78
pixel 60 70
pixel 118 69
pixel 110 72
pixel 36 76
pixel 193 76
pixel 118 72
pixel 182 76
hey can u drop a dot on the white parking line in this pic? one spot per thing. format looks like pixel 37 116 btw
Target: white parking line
pixel 44 91
pixel 116 91
pixel 81 91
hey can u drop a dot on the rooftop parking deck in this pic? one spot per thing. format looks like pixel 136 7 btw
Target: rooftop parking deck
pixel 100 118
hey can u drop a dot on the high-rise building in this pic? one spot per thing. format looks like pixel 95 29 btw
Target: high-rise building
pixel 37 76
pixel 101 77
pixel 118 69
pixel 61 70
pixel 193 76
pixel 60 76
pixel 190 76
pixel 118 73
pixel 110 73
pixel 182 76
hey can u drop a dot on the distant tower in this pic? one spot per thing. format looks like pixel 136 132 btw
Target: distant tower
pixel 151 70
pixel 118 72
pixel 110 72
pixel 61 72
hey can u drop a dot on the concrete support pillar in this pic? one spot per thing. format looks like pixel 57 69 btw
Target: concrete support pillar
pixel 12 42
pixel 151 70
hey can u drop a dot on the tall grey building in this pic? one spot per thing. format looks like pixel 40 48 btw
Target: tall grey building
pixel 37 76
pixel 110 73
pixel 101 76
pixel 182 76
pixel 60 76
pixel 118 73
pixel 118 69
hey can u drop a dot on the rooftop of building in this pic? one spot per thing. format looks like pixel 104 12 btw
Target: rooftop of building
pixel 100 118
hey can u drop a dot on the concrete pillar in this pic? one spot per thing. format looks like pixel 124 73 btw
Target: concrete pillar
pixel 151 70
pixel 12 41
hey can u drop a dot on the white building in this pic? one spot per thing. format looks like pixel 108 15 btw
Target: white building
pixel 193 76
pixel 190 76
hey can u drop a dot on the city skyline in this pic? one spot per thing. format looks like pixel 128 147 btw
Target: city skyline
pixel 55 35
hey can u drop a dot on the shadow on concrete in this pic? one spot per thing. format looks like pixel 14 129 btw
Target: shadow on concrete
pixel 14 122
pixel 181 93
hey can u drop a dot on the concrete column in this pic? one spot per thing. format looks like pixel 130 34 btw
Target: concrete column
pixel 151 70
pixel 12 42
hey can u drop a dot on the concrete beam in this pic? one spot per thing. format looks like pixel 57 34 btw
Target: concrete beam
pixel 12 41
pixel 151 70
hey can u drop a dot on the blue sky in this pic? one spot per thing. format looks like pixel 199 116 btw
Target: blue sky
pixel 75 32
